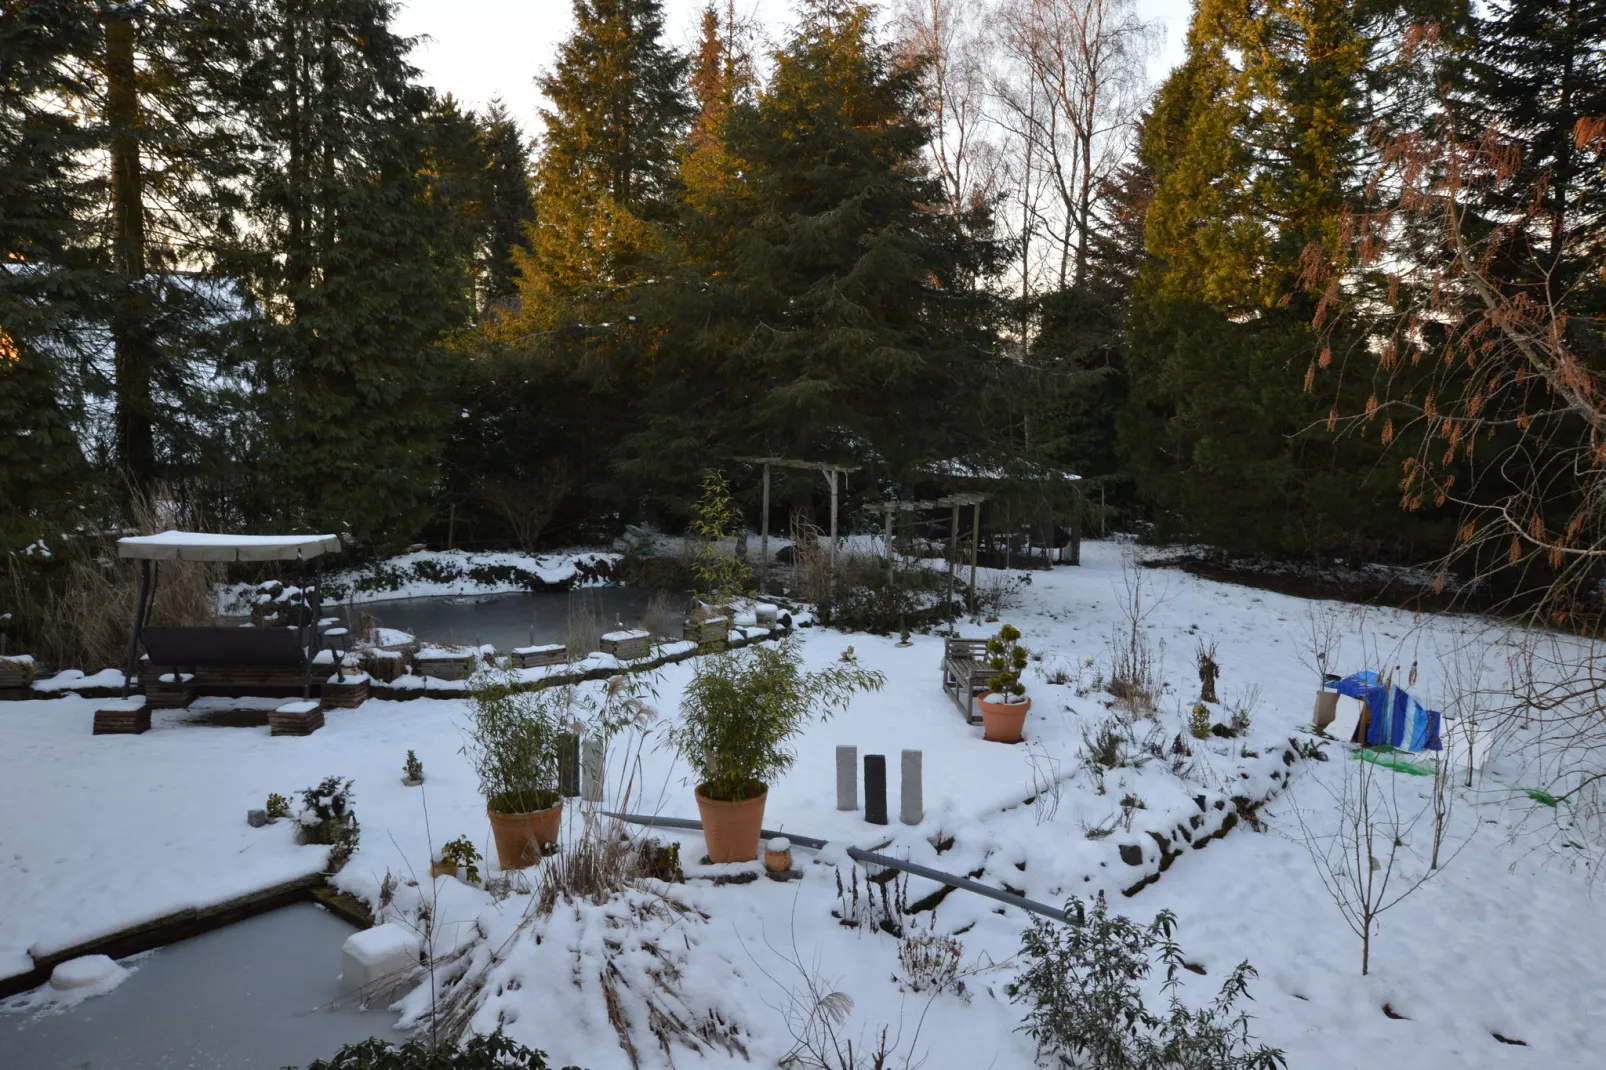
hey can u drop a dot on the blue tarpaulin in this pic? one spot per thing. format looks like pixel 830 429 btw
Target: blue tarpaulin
pixel 1397 719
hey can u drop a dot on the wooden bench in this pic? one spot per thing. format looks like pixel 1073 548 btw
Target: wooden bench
pixel 231 661
pixel 965 674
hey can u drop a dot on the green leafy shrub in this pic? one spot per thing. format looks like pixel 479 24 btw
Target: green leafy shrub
pixel 1199 721
pixel 1084 1007
pixel 513 744
pixel 720 575
pixel 278 806
pixel 1007 658
pixel 462 852
pixel 742 709
pixel 325 810
pixel 490 1052
pixel 412 768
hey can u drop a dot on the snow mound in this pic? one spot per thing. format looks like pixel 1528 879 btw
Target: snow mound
pixel 91 971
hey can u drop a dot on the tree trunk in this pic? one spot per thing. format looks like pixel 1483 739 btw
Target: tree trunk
pixel 132 357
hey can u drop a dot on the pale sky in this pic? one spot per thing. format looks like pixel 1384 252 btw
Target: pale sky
pixel 480 49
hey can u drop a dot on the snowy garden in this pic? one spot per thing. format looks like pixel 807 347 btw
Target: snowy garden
pixel 623 944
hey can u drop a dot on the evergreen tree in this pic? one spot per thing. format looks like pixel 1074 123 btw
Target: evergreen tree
pixel 1257 144
pixel 607 166
pixel 837 321
pixel 1541 68
pixel 509 208
pixel 361 266
pixel 42 200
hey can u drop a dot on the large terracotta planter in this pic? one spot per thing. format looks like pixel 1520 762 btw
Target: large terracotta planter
pixel 520 837
pixel 731 828
pixel 1001 722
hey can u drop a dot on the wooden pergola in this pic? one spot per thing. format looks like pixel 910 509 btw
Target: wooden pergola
pixel 954 502
pixel 826 468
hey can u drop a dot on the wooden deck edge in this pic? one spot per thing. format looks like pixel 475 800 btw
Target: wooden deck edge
pixel 183 924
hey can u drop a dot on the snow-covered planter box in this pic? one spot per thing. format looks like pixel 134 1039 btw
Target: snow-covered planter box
pixel 347 694
pixel 123 717
pixel 443 663
pixel 16 671
pixel 299 718
pixel 627 645
pixel 532 657
pixel 171 691
pixel 383 665
pixel 707 632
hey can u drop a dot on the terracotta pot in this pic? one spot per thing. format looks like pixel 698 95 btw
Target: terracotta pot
pixel 442 869
pixel 731 828
pixel 1001 722
pixel 520 837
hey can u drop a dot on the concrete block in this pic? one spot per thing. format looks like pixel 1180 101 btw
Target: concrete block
pixel 910 788
pixel 378 958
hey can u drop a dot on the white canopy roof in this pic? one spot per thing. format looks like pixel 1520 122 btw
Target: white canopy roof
pixel 205 546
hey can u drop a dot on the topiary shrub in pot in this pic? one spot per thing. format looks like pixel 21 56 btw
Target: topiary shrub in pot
pixel 1003 711
pixel 739 715
pixel 513 745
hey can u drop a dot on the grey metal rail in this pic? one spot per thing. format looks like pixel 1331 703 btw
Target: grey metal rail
pixel 964 884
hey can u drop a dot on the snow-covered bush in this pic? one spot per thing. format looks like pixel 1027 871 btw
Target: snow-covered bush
pixel 326 817
pixel 1084 1007
pixel 487 1052
pixel 930 962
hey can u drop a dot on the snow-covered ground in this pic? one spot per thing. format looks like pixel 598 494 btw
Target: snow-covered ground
pixel 104 832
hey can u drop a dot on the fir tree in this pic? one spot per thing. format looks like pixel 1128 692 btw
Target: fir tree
pixel 842 259
pixel 360 263
pixel 42 201
pixel 508 208
pixel 1541 68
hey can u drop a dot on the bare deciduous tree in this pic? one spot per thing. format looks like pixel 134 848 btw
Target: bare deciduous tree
pixel 1071 97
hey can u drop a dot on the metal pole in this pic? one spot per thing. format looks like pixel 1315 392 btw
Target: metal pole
pixel 975 550
pixel 139 625
pixel 764 538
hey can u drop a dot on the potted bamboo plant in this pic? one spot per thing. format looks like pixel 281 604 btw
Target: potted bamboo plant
pixel 1003 711
pixel 739 715
pixel 513 744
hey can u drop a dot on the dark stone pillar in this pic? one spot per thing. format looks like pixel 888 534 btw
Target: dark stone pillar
pixel 875 789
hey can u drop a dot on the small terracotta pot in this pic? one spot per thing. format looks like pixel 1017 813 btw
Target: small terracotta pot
pixel 520 837
pixel 1001 722
pixel 731 828
pixel 442 869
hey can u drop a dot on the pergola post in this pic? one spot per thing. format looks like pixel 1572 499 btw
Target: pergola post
pixel 764 537
pixel 953 553
pixel 830 476
pixel 975 550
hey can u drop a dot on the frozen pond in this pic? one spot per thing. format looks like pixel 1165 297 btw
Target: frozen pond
pixel 255 995
pixel 503 620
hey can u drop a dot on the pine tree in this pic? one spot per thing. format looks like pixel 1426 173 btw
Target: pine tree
pixel 509 208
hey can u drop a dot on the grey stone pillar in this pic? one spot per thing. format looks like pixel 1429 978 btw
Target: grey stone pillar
pixel 875 789
pixel 912 812
pixel 847 778
pixel 591 769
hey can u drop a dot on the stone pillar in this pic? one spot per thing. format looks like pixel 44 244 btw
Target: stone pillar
pixel 569 765
pixel 847 778
pixel 591 769
pixel 913 812
pixel 875 789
